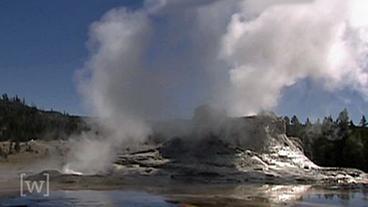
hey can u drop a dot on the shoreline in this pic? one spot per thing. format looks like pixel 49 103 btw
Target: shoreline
pixel 197 194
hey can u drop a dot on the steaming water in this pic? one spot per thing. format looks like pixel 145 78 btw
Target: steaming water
pixel 142 199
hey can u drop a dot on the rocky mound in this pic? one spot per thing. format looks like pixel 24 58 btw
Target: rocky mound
pixel 237 150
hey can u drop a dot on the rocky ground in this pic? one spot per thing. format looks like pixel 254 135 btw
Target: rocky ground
pixel 257 152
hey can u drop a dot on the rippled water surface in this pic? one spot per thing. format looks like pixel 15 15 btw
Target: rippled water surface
pixel 90 198
pixel 267 196
pixel 349 199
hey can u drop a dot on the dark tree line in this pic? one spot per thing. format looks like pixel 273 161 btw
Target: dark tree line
pixel 333 143
pixel 21 122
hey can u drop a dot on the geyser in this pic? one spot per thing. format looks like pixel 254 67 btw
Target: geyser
pixel 168 56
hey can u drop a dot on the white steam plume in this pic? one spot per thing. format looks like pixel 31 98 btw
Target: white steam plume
pixel 238 54
pixel 116 87
pixel 287 42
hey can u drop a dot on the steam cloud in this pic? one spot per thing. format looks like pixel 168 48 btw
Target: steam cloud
pixel 236 54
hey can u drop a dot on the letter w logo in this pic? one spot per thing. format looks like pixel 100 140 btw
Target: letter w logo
pixel 34 185
pixel 37 186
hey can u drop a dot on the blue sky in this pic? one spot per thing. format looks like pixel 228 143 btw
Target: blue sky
pixel 43 44
pixel 309 99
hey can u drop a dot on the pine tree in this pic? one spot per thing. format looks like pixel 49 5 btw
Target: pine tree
pixel 308 123
pixel 287 120
pixel 5 97
pixel 328 128
pixel 343 121
pixel 295 121
pixel 296 127
pixel 363 122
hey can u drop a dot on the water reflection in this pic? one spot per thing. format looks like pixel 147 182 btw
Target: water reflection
pixel 285 193
pixel 89 198
pixel 215 196
pixel 269 193
pixel 335 198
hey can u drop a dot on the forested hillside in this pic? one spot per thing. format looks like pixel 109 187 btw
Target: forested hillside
pixel 333 143
pixel 21 122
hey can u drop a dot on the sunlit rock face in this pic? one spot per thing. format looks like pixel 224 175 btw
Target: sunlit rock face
pixel 253 148
pixel 239 150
